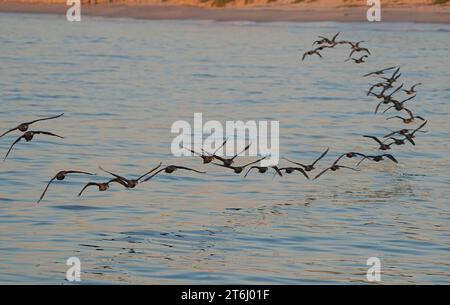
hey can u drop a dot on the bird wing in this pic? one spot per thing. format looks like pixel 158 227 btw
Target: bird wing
pixel 78 172
pixel 323 172
pixel 150 177
pixel 250 170
pixel 301 170
pixel 299 164
pixel 48 134
pixel 278 170
pixel 45 119
pixel 148 173
pixel 10 148
pixel 244 166
pixel 321 156
pixel 46 188
pixel 86 186
pixel 190 169
pixel 390 157
pixel 115 175
pixel 11 130
pixel 245 149
pixel 374 138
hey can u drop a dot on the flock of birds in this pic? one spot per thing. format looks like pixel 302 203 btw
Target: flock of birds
pixel 385 84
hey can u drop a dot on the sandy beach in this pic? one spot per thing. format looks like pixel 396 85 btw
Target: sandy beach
pixel 320 10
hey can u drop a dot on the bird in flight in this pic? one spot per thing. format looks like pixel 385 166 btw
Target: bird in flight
pixel 379 72
pixel 412 90
pixel 229 161
pixel 378 158
pixel 409 120
pixel 130 183
pixel 358 60
pixel 238 169
pixel 334 167
pixel 383 146
pixel 101 186
pixel 28 136
pixel 206 156
pixel 170 169
pixel 23 127
pixel 409 134
pixel 310 167
pixel 290 170
pixel 357 48
pixel 264 169
pixel 60 176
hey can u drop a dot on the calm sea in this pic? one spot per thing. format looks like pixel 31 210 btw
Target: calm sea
pixel 122 83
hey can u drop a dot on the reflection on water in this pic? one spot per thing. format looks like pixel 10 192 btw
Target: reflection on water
pixel 122 84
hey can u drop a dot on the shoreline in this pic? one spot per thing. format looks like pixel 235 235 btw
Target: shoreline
pixel 439 14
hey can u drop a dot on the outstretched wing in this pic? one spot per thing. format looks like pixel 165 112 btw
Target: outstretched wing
pixel 390 157
pixel 150 172
pixel 86 186
pixel 11 130
pixel 46 188
pixel 48 134
pixel 10 148
pixel 150 177
pixel 323 172
pixel 374 138
pixel 45 119
pixel 321 156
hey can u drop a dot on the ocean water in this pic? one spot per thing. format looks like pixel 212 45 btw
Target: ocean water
pixel 122 83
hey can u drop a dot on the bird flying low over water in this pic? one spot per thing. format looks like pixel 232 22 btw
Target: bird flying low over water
pixel 357 48
pixel 130 183
pixel 61 176
pixel 409 120
pixel 310 167
pixel 412 90
pixel 229 161
pixel 28 136
pixel 383 146
pixel 334 167
pixel 378 158
pixel 409 134
pixel 379 72
pixel 312 52
pixel 239 169
pixel 23 127
pixel 101 186
pixel 398 105
pixel 323 40
pixel 358 60
pixel 290 170
pixel 170 169
pixel 264 169
pixel 206 156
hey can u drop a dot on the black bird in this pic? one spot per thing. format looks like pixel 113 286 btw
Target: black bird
pixel 357 48
pixel 409 134
pixel 290 170
pixel 412 90
pixel 28 136
pixel 359 60
pixel 325 40
pixel 310 167
pixel 350 155
pixel 398 105
pixel 312 52
pixel 379 158
pixel 334 167
pixel 170 169
pixel 263 169
pixel 398 141
pixel 228 162
pixel 130 183
pixel 101 186
pixel 379 72
pixel 383 146
pixel 387 99
pixel 24 126
pixel 383 85
pixel 61 176
pixel 206 156
pixel 238 169
pixel 409 120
